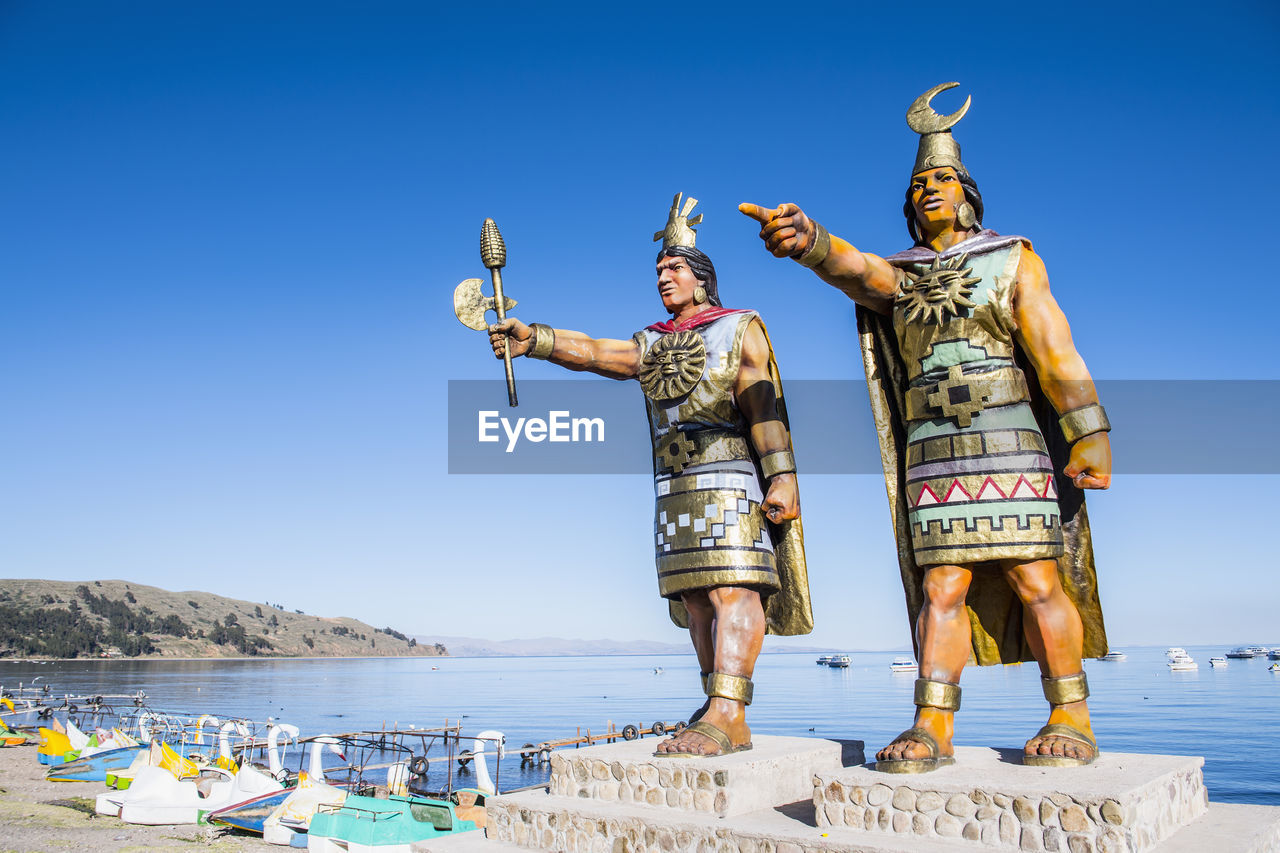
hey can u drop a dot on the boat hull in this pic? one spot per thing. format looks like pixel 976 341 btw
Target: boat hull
pixel 363 824
pixel 93 768
pixel 251 814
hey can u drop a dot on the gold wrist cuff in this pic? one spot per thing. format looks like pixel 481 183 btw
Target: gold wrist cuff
pixel 1086 420
pixel 544 341
pixel 817 253
pixel 736 687
pixel 937 694
pixel 778 462
pixel 1066 689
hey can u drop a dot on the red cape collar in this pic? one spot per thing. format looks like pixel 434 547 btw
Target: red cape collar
pixel 697 320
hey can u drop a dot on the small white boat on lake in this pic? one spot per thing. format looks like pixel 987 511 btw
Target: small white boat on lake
pixel 824 660
pixel 839 662
pixel 1114 656
pixel 1175 652
pixel 1217 662
pixel 903 665
pixel 1182 663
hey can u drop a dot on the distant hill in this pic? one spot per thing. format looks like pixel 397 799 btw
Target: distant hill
pixel 115 618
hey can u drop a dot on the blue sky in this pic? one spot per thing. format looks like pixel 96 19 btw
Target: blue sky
pixel 231 232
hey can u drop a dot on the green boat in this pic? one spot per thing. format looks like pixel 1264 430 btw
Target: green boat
pixel 386 826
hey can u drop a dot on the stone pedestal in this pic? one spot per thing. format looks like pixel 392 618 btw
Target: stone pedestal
pixel 777 770
pixel 796 795
pixel 1120 802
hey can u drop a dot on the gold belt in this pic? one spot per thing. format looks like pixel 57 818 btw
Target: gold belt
pixel 676 450
pixel 961 396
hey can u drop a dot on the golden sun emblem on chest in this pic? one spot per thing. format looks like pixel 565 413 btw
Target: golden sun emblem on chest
pixel 944 288
pixel 673 365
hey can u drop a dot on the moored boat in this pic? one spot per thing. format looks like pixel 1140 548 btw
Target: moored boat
pixel 1114 657
pixel 370 825
pixel 1182 663
pixel 839 661
pixel 1217 662
pixel 903 665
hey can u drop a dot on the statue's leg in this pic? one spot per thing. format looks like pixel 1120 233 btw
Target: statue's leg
pixel 702 620
pixel 945 639
pixel 1056 636
pixel 737 637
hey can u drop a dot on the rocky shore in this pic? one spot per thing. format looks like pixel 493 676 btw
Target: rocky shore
pixel 38 815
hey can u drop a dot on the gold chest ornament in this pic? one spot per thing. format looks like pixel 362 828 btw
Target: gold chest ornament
pixel 673 365
pixel 944 288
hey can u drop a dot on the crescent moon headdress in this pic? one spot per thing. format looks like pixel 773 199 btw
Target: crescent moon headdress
pixel 937 146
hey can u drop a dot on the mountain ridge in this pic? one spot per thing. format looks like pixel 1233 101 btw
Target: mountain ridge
pixel 116 618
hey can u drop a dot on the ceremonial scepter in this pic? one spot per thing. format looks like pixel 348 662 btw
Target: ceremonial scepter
pixel 470 303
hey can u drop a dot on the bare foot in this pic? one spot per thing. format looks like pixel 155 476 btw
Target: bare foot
pixel 1075 715
pixel 939 723
pixel 728 716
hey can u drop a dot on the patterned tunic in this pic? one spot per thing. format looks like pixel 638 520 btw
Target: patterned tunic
pixel 979 480
pixel 709 528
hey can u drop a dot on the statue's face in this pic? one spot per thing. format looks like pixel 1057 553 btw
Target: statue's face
pixel 935 195
pixel 676 283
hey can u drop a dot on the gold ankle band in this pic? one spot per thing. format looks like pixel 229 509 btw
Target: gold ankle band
pixel 937 694
pixel 725 686
pixel 1066 689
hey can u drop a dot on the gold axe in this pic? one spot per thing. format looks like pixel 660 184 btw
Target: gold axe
pixel 470 303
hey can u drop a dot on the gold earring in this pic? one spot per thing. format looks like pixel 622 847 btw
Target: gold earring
pixel 965 215
pixel 699 294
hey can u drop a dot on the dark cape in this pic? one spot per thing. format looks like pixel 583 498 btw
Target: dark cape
pixel 995 612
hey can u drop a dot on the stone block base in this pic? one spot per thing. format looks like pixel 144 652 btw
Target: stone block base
pixel 1121 802
pixel 776 771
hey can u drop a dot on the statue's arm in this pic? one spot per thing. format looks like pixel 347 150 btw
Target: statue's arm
pixel 1045 336
pixel 788 233
pixel 606 357
pixel 757 399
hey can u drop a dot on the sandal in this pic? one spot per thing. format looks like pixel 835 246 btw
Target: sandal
pixel 1062 730
pixel 720 739
pixel 916 765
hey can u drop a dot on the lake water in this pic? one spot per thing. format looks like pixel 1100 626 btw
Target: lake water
pixel 1226 715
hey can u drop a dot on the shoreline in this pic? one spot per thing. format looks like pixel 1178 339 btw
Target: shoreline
pixel 38 815
pixel 220 658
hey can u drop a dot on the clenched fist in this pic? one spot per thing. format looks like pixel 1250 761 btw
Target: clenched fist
pixel 510 333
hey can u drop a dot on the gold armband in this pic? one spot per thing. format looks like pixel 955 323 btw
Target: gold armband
pixel 778 462
pixel 817 253
pixel 1086 420
pixel 544 341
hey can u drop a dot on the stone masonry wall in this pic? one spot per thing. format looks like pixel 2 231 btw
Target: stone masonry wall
pixel 1052 822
